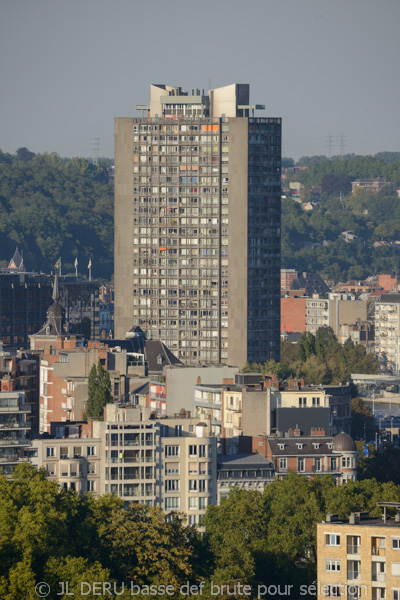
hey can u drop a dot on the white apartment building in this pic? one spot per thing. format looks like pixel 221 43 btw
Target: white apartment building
pixel 387 330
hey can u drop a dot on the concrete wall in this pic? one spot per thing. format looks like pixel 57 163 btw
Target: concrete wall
pixel 256 413
pixel 181 382
pixel 237 240
pixel 123 225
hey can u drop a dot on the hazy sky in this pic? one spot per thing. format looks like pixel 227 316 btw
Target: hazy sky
pixel 328 67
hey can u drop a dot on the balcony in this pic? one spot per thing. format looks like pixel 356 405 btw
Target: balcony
pixel 353 575
pixel 380 577
pixel 353 549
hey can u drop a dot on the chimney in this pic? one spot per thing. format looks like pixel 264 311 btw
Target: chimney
pixel 317 431
pixel 7 384
pixel 297 432
pixel 198 381
pixel 227 381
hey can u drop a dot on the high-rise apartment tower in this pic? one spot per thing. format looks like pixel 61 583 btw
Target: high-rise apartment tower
pixel 197 225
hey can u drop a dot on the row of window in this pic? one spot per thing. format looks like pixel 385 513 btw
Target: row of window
pixel 66 452
pixel 195 485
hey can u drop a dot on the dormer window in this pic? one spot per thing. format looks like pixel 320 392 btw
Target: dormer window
pixel 300 446
pixel 316 445
pixel 159 359
pixel 329 446
pixel 281 446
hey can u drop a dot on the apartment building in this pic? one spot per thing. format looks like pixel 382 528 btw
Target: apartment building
pixel 19 371
pixel 14 428
pixel 169 462
pixel 334 310
pixel 387 330
pixel 360 557
pixel 197 225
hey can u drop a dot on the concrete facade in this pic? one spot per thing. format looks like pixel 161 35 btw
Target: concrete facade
pixel 197 225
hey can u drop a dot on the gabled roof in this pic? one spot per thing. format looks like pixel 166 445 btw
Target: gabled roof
pixel 17 262
pixel 312 283
pixel 156 354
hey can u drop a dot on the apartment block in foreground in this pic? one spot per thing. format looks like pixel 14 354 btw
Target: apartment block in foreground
pixel 360 557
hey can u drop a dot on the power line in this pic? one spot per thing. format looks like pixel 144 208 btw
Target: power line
pixel 329 140
pixel 96 148
pixel 342 143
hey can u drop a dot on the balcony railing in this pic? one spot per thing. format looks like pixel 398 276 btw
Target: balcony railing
pixel 353 575
pixel 353 549
pixel 378 551
pixel 378 577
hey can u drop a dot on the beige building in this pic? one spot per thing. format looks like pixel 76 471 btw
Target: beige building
pixel 169 462
pixel 197 225
pixel 335 310
pixel 359 558
pixel 387 330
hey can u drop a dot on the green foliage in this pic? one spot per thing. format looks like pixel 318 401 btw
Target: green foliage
pixel 50 208
pixel 99 391
pixel 318 360
pixel 252 537
pixel 372 217
pixel 363 425
pixel 270 538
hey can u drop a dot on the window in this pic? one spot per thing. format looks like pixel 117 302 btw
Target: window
pixel 317 464
pixel 202 450
pixel 90 486
pixel 282 464
pixel 51 468
pixel 193 503
pixel 192 485
pixel 300 464
pixel 396 594
pixel 332 565
pixel 353 544
pixel 396 544
pixel 202 485
pixel 91 450
pixel 171 450
pixel 302 402
pixel 171 503
pixel 333 464
pixel 332 591
pixel 202 503
pixel 171 468
pixel 192 450
pixel 379 593
pixel 50 452
pixel 378 546
pixel 315 401
pixel 172 485
pixel 332 539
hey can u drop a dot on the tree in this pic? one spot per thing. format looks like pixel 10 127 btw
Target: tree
pixel 306 346
pixel 99 391
pixel 363 425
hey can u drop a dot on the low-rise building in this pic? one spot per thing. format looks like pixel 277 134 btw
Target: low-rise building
pixel 310 455
pixel 244 471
